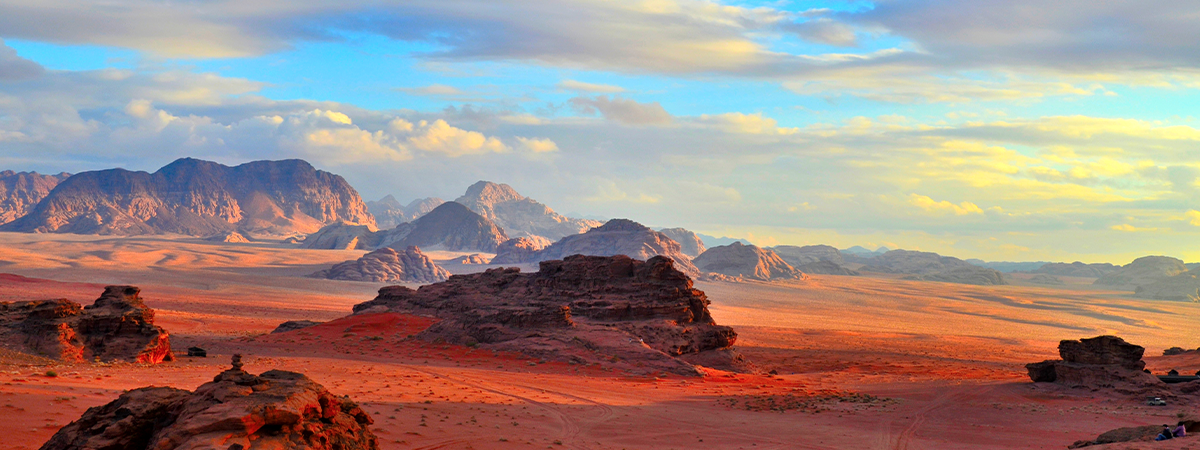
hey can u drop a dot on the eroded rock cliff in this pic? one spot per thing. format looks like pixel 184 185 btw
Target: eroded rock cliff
pixel 117 326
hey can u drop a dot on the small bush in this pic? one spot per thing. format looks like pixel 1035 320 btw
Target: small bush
pixel 51 373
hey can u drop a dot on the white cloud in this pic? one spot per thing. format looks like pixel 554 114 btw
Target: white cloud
pixel 580 86
pixel 930 205
pixel 745 123
pixel 623 110
pixel 537 145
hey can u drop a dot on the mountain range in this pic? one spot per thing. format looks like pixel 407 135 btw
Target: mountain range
pixel 198 198
pixel 21 191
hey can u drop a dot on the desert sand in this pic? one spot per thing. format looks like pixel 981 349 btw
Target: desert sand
pixel 863 362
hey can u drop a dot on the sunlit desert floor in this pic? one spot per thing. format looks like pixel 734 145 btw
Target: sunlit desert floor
pixel 862 362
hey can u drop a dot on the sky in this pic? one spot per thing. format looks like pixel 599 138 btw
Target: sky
pixel 1006 130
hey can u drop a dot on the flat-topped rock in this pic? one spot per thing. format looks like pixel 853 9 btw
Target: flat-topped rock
pixel 387 265
pixel 583 308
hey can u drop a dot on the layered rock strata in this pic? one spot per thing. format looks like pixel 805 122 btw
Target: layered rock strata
pixel 614 310
pixel 388 265
pixel 1095 363
pixel 116 327
pixel 21 191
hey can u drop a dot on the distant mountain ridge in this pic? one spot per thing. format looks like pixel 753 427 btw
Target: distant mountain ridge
pixel 615 237
pixel 20 192
pixel 198 198
pixel 519 215
pixel 389 212
pixel 450 226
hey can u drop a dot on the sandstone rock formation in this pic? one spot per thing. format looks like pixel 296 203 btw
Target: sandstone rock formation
pixel 814 259
pixel 1095 363
pixel 342 236
pixel 614 310
pixel 21 191
pixel 1184 286
pixel 1132 434
pixel 746 262
pixel 471 259
pixel 932 267
pixel 519 215
pixel 450 226
pixel 293 325
pixel 387 265
pixel 237 410
pixel 617 237
pixel 389 212
pixel 1077 269
pixel 1042 278
pixel 197 198
pixel 117 326
pixel 519 250
pixel 981 276
pixel 1143 271
pixel 231 237
pixel 689 243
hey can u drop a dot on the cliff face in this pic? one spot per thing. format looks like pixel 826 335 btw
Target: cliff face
pixel 389 212
pixel 450 226
pixel 519 215
pixel 118 326
pixel 198 198
pixel 589 309
pixel 1143 271
pixel 21 191
pixel 388 265
pixel 689 243
pixel 746 262
pixel 616 237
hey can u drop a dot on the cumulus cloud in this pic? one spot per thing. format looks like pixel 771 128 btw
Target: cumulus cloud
pixel 14 67
pixel 537 145
pixel 622 110
pixel 930 205
pixel 745 123
pixel 826 31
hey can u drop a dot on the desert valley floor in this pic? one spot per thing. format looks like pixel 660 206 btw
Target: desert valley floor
pixel 860 362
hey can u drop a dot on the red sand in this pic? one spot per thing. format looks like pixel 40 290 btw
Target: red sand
pixel 865 362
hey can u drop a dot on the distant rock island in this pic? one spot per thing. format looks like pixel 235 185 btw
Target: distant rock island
pixel 389 212
pixel 518 215
pixel 1142 271
pixel 197 198
pixel 814 259
pixel 1077 269
pixel 21 191
pixel 1184 286
pixel 689 243
pixel 450 226
pixel 616 237
pixel 387 265
pixel 931 267
pixel 746 262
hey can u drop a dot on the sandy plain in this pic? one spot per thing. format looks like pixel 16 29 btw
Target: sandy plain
pixel 862 362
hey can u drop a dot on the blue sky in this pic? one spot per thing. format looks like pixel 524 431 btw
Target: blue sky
pixel 1005 130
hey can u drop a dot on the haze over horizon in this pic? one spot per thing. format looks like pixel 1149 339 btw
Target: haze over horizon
pixel 1002 130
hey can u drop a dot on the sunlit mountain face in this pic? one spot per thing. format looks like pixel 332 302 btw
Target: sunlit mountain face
pixel 1029 130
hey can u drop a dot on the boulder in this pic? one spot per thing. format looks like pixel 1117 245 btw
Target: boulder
pixel 1099 362
pixel 750 262
pixel 611 310
pixel 387 265
pixel 237 410
pixel 117 326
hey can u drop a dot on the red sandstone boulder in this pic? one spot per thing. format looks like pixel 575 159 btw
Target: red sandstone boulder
pixel 117 326
pixel 237 410
pixel 613 310
pixel 1100 362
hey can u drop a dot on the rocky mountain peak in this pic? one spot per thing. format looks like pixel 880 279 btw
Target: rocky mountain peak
pixel 620 225
pixel 519 215
pixel 489 193
pixel 20 192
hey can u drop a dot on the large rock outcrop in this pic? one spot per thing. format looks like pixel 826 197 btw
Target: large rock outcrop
pixel 932 267
pixel 387 265
pixel 389 212
pixel 1096 363
pixel 237 410
pixel 1184 286
pixel 198 198
pixel 117 326
pixel 814 259
pixel 616 237
pixel 1076 269
pixel 689 243
pixel 747 262
pixel 519 250
pixel 450 226
pixel 519 215
pixel 614 310
pixel 1143 271
pixel 21 191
